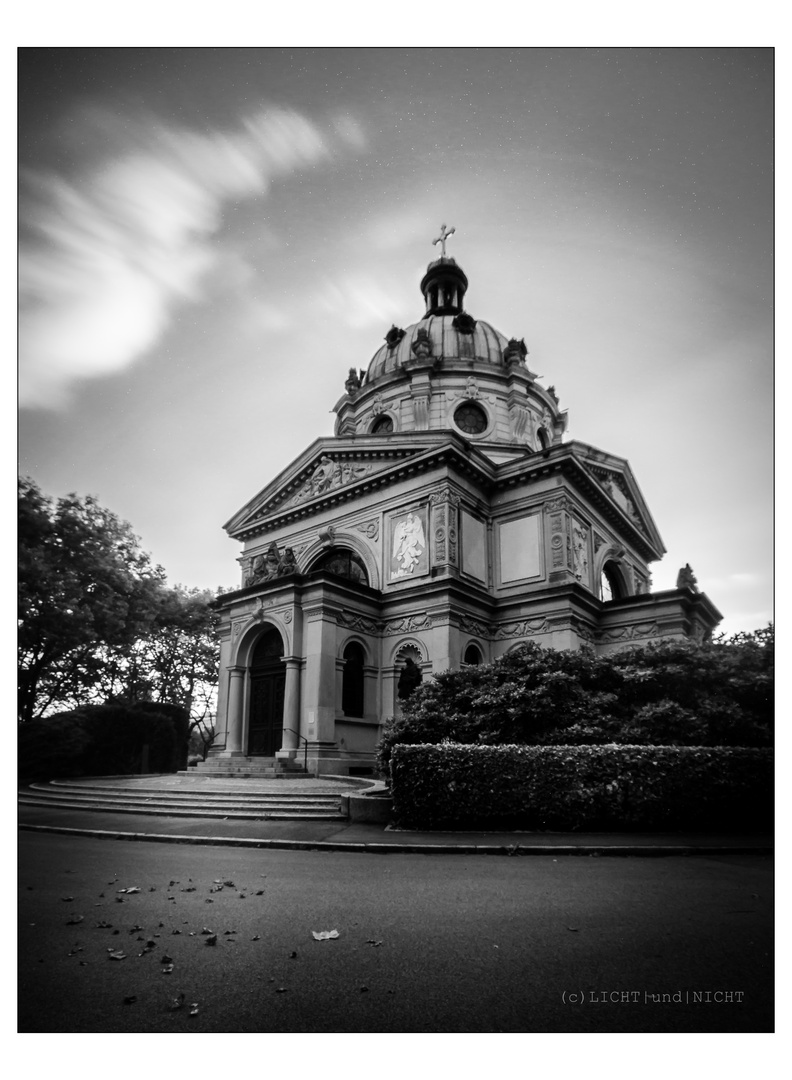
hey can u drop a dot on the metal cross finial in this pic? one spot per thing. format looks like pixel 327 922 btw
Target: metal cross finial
pixel 444 235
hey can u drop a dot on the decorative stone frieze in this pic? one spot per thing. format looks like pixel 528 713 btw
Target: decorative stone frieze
pixel 408 624
pixel 350 620
pixel 522 628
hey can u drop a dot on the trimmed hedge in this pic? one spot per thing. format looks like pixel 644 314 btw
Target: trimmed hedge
pixel 99 740
pixel 456 786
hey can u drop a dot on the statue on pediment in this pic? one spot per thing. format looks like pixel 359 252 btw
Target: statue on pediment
pixel 288 564
pixel 322 476
pixel 686 579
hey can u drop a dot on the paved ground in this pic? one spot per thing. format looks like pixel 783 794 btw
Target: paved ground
pixel 335 835
pixel 465 944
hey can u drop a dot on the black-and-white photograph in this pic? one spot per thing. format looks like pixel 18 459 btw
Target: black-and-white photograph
pixel 395 565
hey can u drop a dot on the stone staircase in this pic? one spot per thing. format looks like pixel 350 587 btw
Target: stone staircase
pixel 237 767
pixel 301 799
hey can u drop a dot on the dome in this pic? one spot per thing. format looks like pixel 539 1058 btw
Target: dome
pixel 452 337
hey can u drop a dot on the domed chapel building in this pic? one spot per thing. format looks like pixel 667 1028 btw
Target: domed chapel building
pixel 445 522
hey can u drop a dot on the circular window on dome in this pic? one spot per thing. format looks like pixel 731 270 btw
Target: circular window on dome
pixel 470 418
pixel 383 424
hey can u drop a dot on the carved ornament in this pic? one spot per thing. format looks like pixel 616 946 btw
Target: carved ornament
pixel 394 336
pixel 408 624
pixel 328 476
pixel 352 621
pixel 524 628
pixel 370 528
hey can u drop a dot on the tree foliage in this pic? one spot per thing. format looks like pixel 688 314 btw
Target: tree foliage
pixel 83 583
pixel 97 621
pixel 673 693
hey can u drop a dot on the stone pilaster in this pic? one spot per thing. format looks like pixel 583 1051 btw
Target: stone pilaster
pixel 444 506
pixel 560 545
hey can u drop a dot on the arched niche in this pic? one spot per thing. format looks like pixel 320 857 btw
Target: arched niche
pixel 311 558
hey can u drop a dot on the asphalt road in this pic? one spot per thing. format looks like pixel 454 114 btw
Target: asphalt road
pixel 425 944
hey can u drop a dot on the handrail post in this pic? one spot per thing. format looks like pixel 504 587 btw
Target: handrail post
pixel 299 736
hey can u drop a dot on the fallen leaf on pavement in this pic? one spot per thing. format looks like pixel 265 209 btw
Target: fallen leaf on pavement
pixel 74 920
pixel 115 955
pixel 176 1003
pixel 130 1000
pixel 211 940
pixel 194 1009
pixel 324 935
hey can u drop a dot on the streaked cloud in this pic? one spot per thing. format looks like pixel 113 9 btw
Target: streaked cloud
pixel 359 302
pixel 106 255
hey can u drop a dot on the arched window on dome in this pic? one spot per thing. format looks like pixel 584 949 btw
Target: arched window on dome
pixel 472 656
pixel 343 563
pixel 352 684
pixel 382 425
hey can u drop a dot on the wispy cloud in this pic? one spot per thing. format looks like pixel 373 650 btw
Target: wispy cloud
pixel 359 301
pixel 105 256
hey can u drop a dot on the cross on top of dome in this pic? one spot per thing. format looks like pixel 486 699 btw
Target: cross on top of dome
pixel 441 239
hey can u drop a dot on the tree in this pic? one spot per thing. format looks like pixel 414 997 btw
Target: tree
pixel 84 585
pixel 176 662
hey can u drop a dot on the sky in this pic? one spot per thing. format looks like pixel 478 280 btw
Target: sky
pixel 210 239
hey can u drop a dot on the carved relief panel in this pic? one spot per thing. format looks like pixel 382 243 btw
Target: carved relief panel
pixel 407 555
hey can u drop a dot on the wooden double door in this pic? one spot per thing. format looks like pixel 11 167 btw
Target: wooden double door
pixel 267 693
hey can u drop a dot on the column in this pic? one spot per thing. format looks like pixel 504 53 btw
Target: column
pixel 236 698
pixel 291 709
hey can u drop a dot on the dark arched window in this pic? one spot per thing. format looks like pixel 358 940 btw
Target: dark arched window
pixel 382 425
pixel 611 584
pixel 342 563
pixel 352 686
pixel 472 655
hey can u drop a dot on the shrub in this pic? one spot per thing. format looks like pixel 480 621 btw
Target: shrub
pixel 98 740
pixel 581 787
pixel 675 693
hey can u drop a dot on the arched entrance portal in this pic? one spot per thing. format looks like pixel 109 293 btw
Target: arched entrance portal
pixel 267 691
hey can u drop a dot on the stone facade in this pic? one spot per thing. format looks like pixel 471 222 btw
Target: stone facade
pixel 446 521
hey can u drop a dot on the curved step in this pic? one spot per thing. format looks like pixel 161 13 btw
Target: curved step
pixel 115 798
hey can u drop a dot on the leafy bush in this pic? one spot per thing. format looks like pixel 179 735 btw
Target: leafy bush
pixel 671 693
pixel 581 787
pixel 98 740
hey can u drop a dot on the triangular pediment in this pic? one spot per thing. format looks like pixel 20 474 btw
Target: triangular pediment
pixel 328 467
pixel 614 477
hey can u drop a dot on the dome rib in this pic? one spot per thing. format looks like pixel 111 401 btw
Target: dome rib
pixel 484 345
